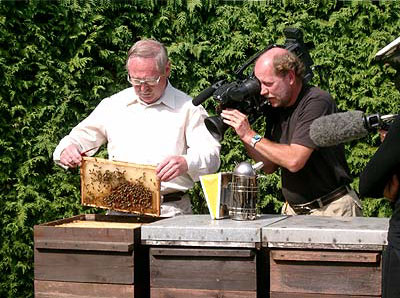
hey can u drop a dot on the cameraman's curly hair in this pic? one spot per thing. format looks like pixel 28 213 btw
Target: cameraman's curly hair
pixel 288 61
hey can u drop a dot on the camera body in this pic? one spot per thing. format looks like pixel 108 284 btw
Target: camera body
pixel 243 94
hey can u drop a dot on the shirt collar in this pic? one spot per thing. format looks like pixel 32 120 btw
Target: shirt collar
pixel 166 98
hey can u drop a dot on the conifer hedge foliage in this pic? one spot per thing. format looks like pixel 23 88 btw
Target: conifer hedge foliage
pixel 59 59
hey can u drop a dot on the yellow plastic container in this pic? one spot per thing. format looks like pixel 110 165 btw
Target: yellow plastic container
pixel 216 189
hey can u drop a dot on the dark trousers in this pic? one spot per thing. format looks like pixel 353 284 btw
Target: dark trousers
pixel 391 272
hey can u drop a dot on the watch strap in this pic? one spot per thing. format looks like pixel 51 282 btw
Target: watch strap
pixel 255 139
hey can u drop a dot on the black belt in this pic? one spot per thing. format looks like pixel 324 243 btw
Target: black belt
pixel 174 196
pixel 321 201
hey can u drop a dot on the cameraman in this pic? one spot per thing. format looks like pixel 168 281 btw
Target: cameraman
pixel 381 177
pixel 315 180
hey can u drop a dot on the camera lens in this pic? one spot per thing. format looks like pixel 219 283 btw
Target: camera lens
pixel 216 127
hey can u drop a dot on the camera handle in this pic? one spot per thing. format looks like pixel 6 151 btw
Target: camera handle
pixel 240 71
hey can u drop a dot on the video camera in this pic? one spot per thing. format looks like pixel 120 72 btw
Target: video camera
pixel 243 94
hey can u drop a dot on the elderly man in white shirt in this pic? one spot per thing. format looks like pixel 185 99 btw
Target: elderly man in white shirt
pixel 150 123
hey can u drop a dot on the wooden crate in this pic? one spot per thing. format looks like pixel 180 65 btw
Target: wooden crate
pixel 183 272
pixel 59 289
pixel 90 254
pixel 325 273
pixel 120 186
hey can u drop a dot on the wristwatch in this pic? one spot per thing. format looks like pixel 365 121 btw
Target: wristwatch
pixel 255 139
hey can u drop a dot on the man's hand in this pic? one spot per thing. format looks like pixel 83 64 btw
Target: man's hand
pixel 292 157
pixel 382 134
pixel 71 156
pixel 238 121
pixel 171 167
pixel 392 189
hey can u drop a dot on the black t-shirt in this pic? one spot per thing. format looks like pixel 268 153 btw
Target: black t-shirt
pixel 326 169
pixel 379 170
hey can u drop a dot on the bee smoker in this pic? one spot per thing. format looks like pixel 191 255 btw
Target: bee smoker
pixel 244 191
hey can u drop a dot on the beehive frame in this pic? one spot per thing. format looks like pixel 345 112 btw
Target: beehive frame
pixel 120 186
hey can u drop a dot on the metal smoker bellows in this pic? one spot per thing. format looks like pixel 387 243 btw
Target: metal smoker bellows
pixel 244 191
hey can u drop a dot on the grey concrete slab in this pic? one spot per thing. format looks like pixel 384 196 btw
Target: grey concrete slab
pixel 202 230
pixel 335 231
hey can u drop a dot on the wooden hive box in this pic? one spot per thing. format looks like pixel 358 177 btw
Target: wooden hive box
pixel 91 255
pixel 196 256
pixel 325 273
pixel 204 272
pixel 325 257
pixel 120 186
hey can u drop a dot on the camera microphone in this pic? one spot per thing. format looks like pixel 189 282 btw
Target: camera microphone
pixel 337 128
pixel 206 93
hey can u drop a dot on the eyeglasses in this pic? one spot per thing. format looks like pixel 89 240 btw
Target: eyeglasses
pixel 138 82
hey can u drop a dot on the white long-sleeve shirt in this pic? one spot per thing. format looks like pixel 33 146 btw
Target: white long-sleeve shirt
pixel 147 133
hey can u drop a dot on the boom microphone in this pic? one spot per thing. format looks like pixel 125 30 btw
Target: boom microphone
pixel 206 93
pixel 337 128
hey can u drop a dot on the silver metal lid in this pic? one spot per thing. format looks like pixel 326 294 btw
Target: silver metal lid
pixel 244 169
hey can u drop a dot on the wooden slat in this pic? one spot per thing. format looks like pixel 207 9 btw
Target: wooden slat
pixel 82 266
pixel 121 218
pixel 56 289
pixel 325 256
pixel 84 245
pixel 303 295
pixel 100 224
pixel 211 272
pixel 193 293
pixel 85 234
pixel 233 253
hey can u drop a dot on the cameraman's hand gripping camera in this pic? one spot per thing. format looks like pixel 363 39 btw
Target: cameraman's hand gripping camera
pixel 244 93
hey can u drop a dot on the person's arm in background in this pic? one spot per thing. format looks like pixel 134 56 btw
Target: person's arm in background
pixel 290 156
pixel 378 175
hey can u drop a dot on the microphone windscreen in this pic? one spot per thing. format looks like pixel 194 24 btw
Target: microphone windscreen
pixel 199 99
pixel 337 128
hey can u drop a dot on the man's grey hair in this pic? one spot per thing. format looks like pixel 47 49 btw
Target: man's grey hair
pixel 149 48
pixel 288 61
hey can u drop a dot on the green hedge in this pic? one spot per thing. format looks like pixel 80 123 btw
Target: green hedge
pixel 59 59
